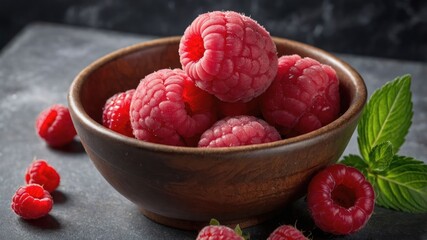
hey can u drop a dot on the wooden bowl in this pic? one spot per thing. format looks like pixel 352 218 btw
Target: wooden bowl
pixel 185 187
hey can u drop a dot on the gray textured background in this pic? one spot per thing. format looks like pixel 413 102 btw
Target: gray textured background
pixel 393 29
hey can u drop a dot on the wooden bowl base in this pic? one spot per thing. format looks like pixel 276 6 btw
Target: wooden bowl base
pixel 197 225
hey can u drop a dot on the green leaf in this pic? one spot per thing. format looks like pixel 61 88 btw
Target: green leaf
pixel 214 222
pixel 403 187
pixel 238 231
pixel 356 162
pixel 386 117
pixel 381 157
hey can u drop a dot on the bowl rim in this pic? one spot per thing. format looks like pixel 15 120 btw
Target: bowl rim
pixel 76 107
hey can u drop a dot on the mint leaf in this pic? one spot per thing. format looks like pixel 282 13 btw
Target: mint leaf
pixel 386 117
pixel 356 162
pixel 400 182
pixel 403 186
pixel 381 156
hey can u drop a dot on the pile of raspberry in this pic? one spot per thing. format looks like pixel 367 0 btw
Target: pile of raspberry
pixel 232 90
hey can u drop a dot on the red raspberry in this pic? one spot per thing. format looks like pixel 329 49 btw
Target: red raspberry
pixel 54 125
pixel 218 232
pixel 238 131
pixel 286 232
pixel 340 199
pixel 115 115
pixel 41 173
pixel 228 55
pixel 168 108
pixel 32 201
pixel 303 97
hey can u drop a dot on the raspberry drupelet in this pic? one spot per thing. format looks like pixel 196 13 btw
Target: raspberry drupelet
pixel 228 55
pixel 303 97
pixel 238 131
pixel 168 108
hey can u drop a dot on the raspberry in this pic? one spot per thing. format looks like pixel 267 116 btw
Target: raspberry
pixel 115 115
pixel 303 97
pixel 40 172
pixel 238 131
pixel 168 108
pixel 286 232
pixel 31 202
pixel 54 126
pixel 340 199
pixel 218 232
pixel 228 55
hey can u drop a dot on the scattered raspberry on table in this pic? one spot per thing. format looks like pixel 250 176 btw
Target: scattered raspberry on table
pixel 54 126
pixel 340 199
pixel 168 108
pixel 218 232
pixel 229 55
pixel 238 131
pixel 115 114
pixel 286 232
pixel 40 172
pixel 32 202
pixel 303 97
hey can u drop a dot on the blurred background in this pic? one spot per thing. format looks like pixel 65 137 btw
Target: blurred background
pixel 380 28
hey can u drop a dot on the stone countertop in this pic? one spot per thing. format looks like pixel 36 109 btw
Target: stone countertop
pixel 36 70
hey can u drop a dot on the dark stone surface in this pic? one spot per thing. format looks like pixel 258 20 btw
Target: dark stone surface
pixel 395 28
pixel 36 70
